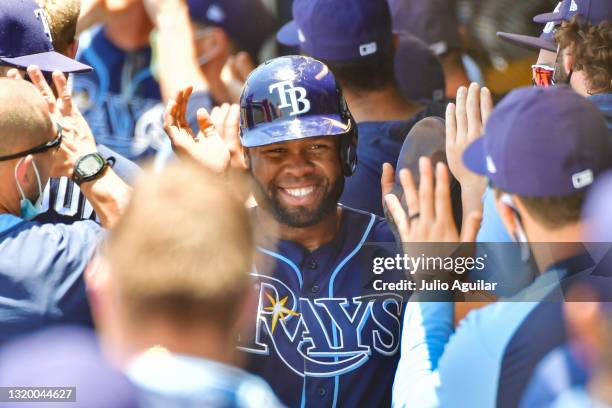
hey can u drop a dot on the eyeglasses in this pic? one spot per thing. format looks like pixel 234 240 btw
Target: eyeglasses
pixel 38 149
pixel 543 75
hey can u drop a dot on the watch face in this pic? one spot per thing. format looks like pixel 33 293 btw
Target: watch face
pixel 89 166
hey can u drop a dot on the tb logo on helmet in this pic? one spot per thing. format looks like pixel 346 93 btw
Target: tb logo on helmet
pixel 296 95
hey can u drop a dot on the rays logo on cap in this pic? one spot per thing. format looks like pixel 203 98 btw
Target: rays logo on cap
pixel 293 97
pixel 573 6
pixel 40 15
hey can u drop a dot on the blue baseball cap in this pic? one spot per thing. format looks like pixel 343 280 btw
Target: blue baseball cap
pixel 25 39
pixel 339 30
pixel 593 11
pixel 542 142
pixel 546 40
pixel 249 23
pixel 418 71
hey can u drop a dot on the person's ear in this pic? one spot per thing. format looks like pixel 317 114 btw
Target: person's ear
pixel 395 43
pixel 72 49
pixel 247 157
pixel 506 213
pixel 24 176
pixel 568 59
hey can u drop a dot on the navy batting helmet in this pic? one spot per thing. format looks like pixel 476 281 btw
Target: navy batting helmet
pixel 296 97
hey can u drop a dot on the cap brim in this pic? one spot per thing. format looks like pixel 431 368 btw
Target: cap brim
pixel 475 158
pixel 49 62
pixel 288 34
pixel 301 128
pixel 548 17
pixel 527 41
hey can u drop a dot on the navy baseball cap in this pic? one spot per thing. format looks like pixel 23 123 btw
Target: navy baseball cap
pixel 249 23
pixel 546 40
pixel 418 71
pixel 25 39
pixel 339 30
pixel 593 11
pixel 433 21
pixel 542 142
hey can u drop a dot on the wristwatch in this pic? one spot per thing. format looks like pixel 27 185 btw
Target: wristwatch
pixel 89 167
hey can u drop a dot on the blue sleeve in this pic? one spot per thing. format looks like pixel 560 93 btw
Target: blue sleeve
pixel 76 245
pixel 426 330
pixel 41 275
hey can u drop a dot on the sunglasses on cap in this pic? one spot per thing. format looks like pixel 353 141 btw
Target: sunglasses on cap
pixel 38 149
pixel 543 75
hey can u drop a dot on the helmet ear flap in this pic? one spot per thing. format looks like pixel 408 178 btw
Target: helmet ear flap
pixel 348 141
pixel 348 150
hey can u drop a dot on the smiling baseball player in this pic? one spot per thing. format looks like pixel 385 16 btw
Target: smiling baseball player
pixel 319 339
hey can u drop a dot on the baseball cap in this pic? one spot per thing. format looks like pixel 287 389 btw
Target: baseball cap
pixel 433 21
pixel 25 39
pixel 546 40
pixel 339 30
pixel 248 23
pixel 542 142
pixel 593 11
pixel 418 71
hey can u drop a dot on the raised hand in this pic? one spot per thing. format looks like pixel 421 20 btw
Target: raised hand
pixel 226 119
pixel 206 147
pixel 235 72
pixel 465 123
pixel 77 138
pixel 431 217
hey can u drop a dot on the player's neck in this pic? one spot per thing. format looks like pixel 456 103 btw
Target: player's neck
pixel 211 344
pixel 311 237
pixel 380 106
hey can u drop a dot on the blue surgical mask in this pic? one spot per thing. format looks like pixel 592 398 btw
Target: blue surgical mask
pixel 28 209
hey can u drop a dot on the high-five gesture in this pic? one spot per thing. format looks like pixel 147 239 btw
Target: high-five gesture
pixel 465 123
pixel 77 138
pixel 206 147
pixel 431 216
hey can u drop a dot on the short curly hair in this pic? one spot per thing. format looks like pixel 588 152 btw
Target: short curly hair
pixel 592 49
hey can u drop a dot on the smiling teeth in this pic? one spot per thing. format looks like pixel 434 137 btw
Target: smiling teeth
pixel 300 192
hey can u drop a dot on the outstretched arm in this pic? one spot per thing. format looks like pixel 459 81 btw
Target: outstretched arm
pixel 108 194
pixel 176 54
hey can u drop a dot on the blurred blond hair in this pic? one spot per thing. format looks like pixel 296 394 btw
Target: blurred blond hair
pixel 62 16
pixel 184 248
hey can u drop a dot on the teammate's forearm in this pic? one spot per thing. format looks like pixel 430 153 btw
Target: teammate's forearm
pixel 177 61
pixel 109 196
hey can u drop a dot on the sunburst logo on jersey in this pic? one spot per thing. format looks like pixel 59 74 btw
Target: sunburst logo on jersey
pixel 279 310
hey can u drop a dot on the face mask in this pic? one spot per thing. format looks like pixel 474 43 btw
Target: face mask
pixel 519 234
pixel 29 210
pixel 206 58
